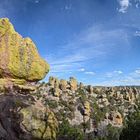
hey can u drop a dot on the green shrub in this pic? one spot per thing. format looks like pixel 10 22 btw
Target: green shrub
pixel 68 132
pixel 131 130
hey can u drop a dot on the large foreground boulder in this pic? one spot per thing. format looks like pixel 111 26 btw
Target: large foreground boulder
pixel 19 58
pixel 39 121
pixel 23 118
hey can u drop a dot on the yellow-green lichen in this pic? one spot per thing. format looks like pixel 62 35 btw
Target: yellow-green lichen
pixel 19 58
pixel 41 123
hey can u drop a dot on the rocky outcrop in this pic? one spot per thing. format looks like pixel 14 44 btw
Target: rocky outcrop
pixel 43 124
pixel 56 92
pixel 90 89
pixel 63 85
pixel 53 82
pixel 10 117
pixel 19 58
pixel 115 118
pixel 89 106
pixel 23 114
pixel 73 84
pixel 25 118
pixel 81 85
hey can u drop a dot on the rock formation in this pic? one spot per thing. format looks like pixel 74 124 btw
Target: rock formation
pixel 73 83
pixel 19 58
pixel 89 106
pixel 39 121
pixel 63 84
pixel 23 116
pixel 90 89
pixel 56 92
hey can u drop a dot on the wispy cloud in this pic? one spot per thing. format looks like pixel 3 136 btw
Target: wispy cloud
pixel 81 69
pixel 91 44
pixel 137 33
pixel 135 74
pixel 90 72
pixel 137 3
pixel 118 71
pixel 64 68
pixel 113 74
pixel 120 82
pixel 121 78
pixel 37 1
pixel 124 4
pixel 68 7
pixel 137 71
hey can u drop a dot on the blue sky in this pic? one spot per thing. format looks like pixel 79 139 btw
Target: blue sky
pixel 96 41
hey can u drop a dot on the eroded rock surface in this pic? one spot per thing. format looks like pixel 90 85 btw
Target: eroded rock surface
pixel 22 115
pixel 24 118
pixel 19 58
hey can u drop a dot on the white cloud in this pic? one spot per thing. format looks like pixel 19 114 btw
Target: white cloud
pixel 94 43
pixel 135 74
pixel 137 2
pixel 67 59
pixel 81 69
pixel 137 33
pixel 137 5
pixel 64 68
pixel 118 71
pixel 36 1
pixel 129 80
pixel 90 73
pixel 117 78
pixel 115 73
pixel 68 7
pixel 124 4
pixel 120 82
pixel 137 71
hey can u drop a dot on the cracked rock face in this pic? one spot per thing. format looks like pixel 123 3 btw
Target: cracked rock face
pixel 19 58
pixel 39 121
pixel 23 118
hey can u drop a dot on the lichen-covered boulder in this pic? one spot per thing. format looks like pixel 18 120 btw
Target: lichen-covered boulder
pixel 39 121
pixel 56 92
pixel 63 84
pixel 117 118
pixel 90 89
pixel 56 83
pixel 19 58
pixel 53 82
pixel 73 84
pixel 87 108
